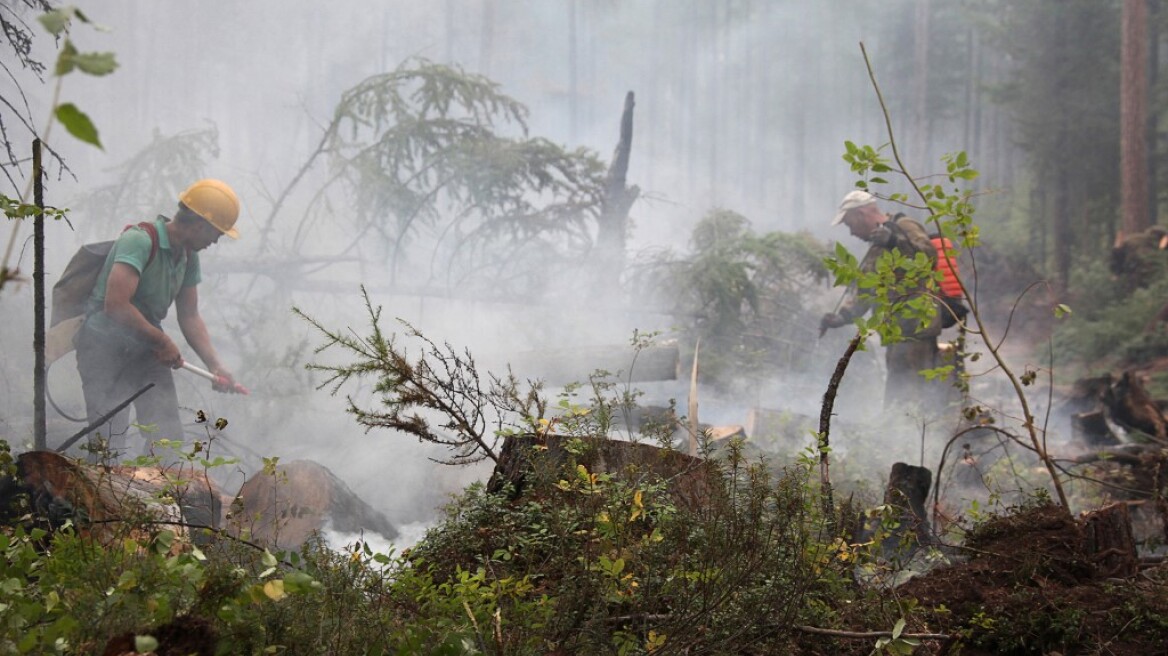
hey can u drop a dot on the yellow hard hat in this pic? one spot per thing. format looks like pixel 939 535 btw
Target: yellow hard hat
pixel 215 201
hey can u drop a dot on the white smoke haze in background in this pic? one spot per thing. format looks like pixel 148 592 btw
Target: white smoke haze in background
pixel 266 76
pixel 408 535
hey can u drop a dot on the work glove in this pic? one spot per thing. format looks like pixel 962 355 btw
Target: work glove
pixel 830 320
pixel 882 236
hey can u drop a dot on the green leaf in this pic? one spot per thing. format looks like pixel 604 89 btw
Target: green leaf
pixel 57 20
pixel 144 644
pixel 163 541
pixel 78 124
pixel 299 582
pixel 127 580
pixel 65 60
pixel 96 63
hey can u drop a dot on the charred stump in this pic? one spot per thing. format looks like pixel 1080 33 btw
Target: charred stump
pixel 906 493
pixel 1108 540
pixel 527 462
pixel 908 488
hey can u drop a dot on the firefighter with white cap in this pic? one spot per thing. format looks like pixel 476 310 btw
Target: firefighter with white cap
pixel 885 233
pixel 121 346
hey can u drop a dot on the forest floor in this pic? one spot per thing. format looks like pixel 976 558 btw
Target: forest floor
pixel 1030 585
pixel 1027 581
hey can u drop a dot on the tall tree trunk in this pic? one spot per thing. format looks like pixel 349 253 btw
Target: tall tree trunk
pixel 972 110
pixel 487 41
pixel 1154 18
pixel 1064 233
pixel 38 280
pixel 919 130
pixel 1133 107
pixel 715 87
pixel 573 59
pixel 449 50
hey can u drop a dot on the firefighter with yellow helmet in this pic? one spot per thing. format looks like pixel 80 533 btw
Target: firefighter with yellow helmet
pixel 121 346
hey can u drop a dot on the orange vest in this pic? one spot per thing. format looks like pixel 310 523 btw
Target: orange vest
pixel 948 267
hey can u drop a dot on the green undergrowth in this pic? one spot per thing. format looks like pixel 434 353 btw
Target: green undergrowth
pixel 725 556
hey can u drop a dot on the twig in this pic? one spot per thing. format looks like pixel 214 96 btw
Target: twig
pixel 825 426
pixel 102 419
pixel 867 635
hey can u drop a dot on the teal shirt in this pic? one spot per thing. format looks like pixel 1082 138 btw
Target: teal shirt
pixel 158 284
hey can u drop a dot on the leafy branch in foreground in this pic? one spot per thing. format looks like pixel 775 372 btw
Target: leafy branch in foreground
pixel 951 212
pixel 475 417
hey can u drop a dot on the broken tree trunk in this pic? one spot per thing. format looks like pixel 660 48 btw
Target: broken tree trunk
pixel 300 499
pixel 613 222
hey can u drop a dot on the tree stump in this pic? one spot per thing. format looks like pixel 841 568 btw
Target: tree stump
pixel 908 488
pixel 1109 542
pixel 529 461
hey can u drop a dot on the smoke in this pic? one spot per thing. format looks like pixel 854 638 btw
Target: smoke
pixel 745 108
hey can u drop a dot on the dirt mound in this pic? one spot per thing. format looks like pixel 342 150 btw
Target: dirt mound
pixel 1032 585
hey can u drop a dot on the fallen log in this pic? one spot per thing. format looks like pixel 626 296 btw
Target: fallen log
pixel 103 501
pixel 298 501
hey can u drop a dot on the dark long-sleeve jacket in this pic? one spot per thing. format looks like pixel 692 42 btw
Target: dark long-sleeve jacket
pixel 909 238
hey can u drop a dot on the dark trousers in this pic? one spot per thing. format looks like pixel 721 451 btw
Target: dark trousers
pixel 904 384
pixel 112 369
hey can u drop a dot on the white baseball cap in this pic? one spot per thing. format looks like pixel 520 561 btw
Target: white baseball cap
pixel 853 200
